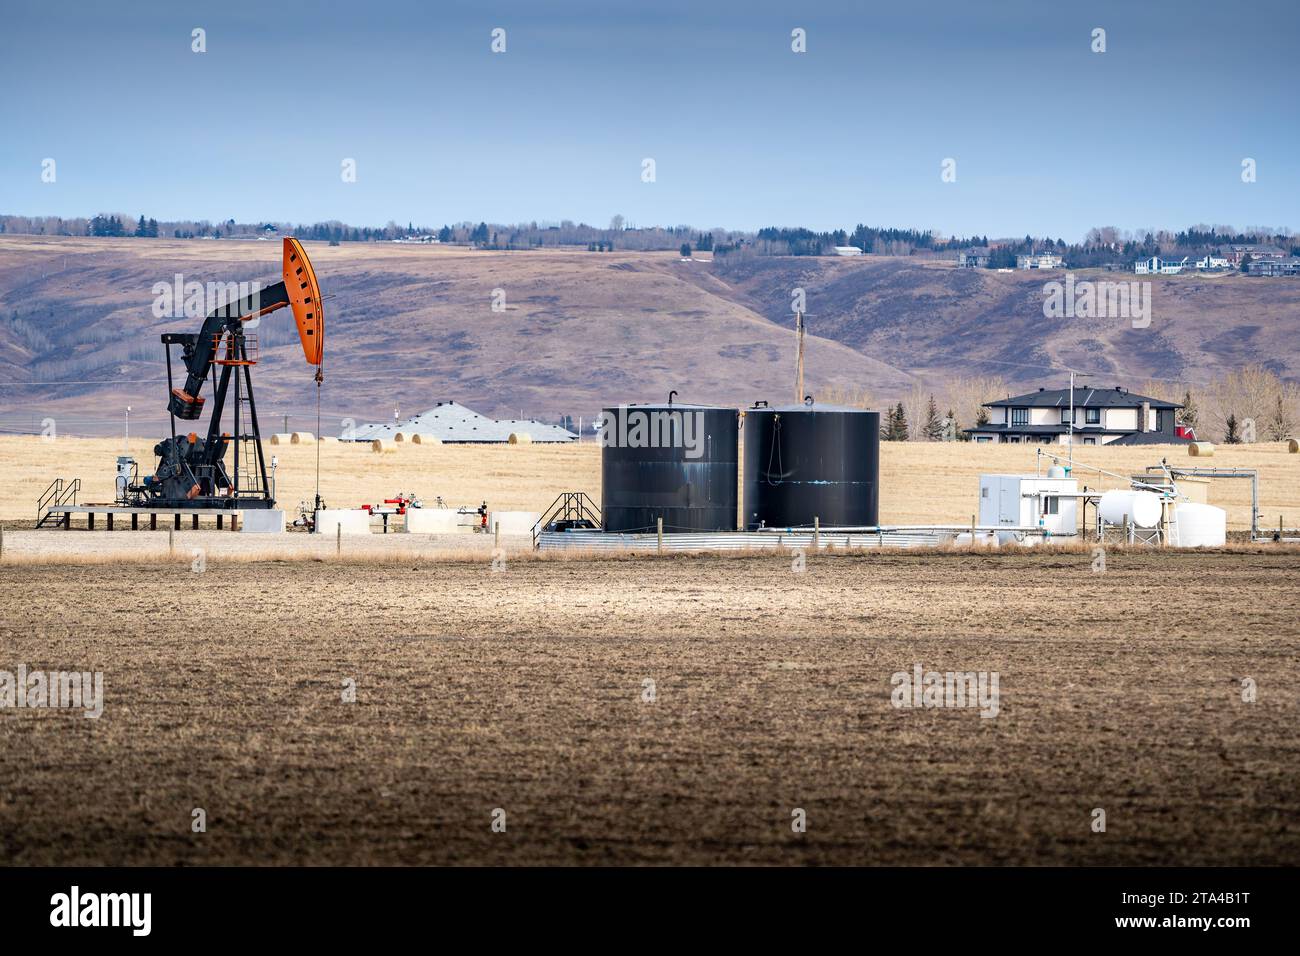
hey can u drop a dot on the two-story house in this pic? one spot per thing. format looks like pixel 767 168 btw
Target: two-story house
pixel 1102 416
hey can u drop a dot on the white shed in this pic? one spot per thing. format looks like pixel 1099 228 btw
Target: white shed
pixel 1029 501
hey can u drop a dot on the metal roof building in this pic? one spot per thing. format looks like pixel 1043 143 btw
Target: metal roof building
pixel 454 423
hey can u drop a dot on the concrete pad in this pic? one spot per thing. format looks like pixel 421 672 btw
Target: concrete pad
pixel 436 521
pixel 513 522
pixel 262 521
pixel 351 521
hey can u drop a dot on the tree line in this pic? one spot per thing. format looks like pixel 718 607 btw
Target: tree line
pixel 1102 246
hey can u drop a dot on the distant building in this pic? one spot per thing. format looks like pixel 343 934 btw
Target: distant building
pixel 973 259
pixel 1102 416
pixel 848 251
pixel 1235 253
pixel 1174 263
pixel 1162 265
pixel 1274 267
pixel 1040 260
pixel 452 422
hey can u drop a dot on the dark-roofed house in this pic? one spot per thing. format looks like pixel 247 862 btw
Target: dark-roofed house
pixel 1235 253
pixel 974 258
pixel 1274 267
pixel 1102 416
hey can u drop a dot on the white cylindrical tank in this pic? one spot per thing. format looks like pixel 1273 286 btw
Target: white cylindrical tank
pixel 1057 471
pixel 1142 508
pixel 1199 526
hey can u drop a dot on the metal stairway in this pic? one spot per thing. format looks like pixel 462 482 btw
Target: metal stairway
pixel 58 494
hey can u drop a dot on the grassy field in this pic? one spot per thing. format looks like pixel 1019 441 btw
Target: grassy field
pixel 920 482
pixel 525 691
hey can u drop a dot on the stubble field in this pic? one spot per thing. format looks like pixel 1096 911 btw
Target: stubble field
pixel 525 691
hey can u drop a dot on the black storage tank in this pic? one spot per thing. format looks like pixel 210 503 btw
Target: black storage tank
pixel 807 461
pixel 671 461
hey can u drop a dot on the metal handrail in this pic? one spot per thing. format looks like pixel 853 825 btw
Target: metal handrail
pixel 571 505
pixel 71 490
pixel 50 494
pixel 56 495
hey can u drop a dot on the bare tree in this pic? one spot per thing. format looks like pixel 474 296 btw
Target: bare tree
pixel 1252 394
pixel 966 395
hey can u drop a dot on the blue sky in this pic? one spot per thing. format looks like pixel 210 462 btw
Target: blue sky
pixel 1049 137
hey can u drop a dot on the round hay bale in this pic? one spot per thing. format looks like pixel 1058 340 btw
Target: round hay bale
pixel 1200 449
pixel 400 436
pixel 418 439
pixel 302 438
pixel 381 447
pixel 520 438
pixel 281 438
pixel 328 440
pixel 1293 446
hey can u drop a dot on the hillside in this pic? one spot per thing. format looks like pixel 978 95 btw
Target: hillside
pixel 405 325
pixel 935 320
pixel 411 325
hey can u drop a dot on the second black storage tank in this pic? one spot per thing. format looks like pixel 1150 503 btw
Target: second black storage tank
pixel 807 461
pixel 676 462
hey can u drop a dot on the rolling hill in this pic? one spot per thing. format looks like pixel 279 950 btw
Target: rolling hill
pixel 410 325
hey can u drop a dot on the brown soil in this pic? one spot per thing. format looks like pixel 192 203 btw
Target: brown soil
pixel 522 690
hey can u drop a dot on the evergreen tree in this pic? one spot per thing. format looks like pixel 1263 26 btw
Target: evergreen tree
pixel 1232 434
pixel 685 250
pixel 898 430
pixel 1189 413
pixel 933 428
pixel 142 227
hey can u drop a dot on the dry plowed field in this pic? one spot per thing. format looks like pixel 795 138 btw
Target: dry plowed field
pixel 525 691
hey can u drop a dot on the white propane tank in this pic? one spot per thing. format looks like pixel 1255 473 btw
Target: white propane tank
pixel 1058 471
pixel 1142 508
pixel 1199 526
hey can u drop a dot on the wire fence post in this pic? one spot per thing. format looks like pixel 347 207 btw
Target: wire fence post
pixel 817 532
pixel 338 539
pixel 171 542
pixel 659 533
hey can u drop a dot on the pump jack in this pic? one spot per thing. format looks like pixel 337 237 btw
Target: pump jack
pixel 192 472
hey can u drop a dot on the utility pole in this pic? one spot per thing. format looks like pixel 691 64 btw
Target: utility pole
pixel 127 449
pixel 798 374
pixel 1070 439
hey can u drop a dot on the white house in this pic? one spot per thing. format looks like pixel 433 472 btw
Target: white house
pixel 1173 264
pixel 1040 260
pixel 1163 265
pixel 1101 416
